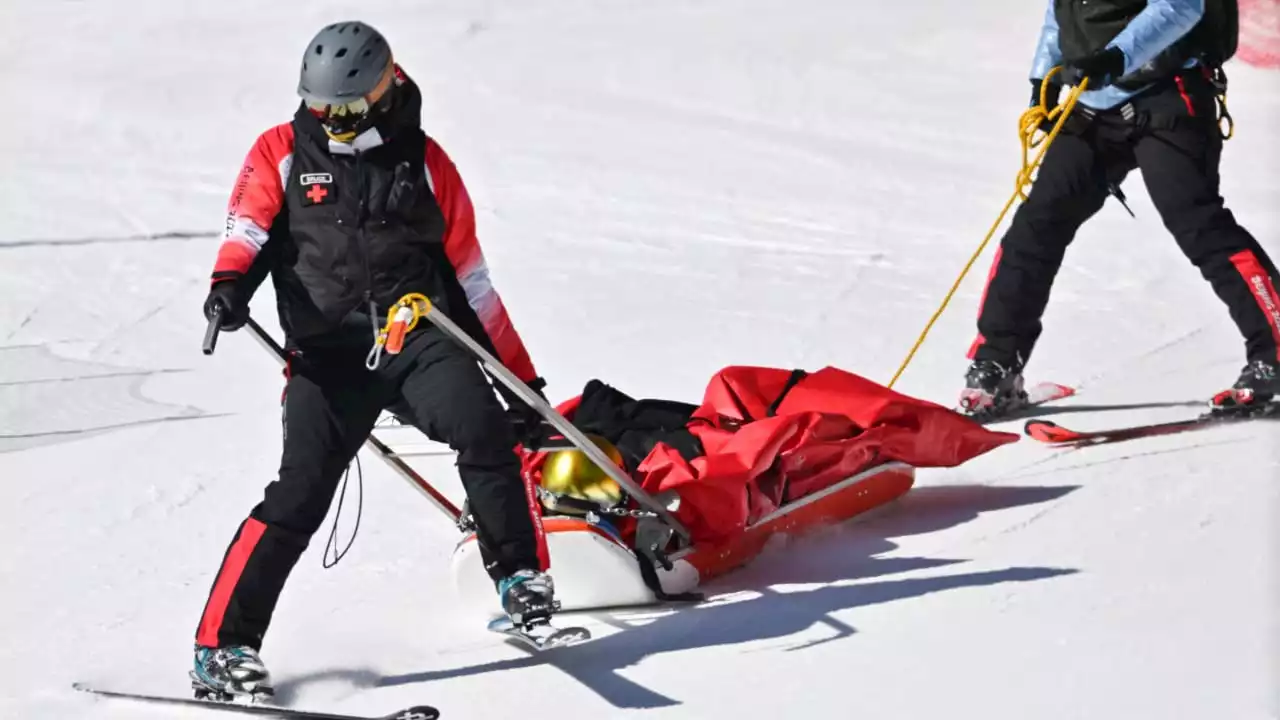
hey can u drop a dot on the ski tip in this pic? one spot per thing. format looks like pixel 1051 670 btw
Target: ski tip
pixel 1049 391
pixel 568 637
pixel 1047 431
pixel 417 712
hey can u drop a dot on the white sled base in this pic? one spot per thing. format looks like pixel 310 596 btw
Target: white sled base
pixel 593 569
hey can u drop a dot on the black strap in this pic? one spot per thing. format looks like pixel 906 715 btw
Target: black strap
pixel 796 376
pixel 650 576
pixel 1114 189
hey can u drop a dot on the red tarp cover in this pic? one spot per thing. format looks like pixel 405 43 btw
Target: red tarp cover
pixel 831 424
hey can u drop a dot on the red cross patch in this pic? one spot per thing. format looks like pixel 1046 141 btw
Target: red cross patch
pixel 318 194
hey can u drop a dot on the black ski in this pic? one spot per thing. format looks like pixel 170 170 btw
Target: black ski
pixel 417 712
pixel 541 637
pixel 1054 434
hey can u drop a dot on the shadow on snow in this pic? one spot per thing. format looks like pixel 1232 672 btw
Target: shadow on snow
pixel 843 558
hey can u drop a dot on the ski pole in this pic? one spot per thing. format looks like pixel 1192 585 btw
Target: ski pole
pixel 211 332
pixel 551 415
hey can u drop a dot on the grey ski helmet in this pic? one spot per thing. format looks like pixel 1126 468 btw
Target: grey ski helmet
pixel 344 65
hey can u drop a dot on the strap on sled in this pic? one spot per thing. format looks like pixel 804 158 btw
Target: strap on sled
pixel 796 376
pixel 650 576
pixel 651 538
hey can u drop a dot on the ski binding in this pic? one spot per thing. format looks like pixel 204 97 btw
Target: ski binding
pixel 1038 394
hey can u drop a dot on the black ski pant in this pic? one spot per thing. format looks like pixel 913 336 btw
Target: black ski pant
pixel 1178 152
pixel 330 406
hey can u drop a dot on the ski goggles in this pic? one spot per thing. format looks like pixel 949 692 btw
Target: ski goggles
pixel 344 120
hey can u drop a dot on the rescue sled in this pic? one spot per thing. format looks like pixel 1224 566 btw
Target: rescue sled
pixel 594 568
pixel 768 452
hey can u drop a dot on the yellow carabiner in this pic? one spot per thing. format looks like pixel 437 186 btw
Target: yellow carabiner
pixel 401 320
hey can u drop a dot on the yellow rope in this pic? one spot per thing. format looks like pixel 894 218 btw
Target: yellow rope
pixel 1028 125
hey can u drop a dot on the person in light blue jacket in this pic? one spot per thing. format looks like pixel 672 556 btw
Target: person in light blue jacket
pixel 1154 78
pixel 1143 51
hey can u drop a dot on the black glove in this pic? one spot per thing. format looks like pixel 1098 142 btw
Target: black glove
pixel 235 307
pixel 1101 68
pixel 524 419
pixel 1051 101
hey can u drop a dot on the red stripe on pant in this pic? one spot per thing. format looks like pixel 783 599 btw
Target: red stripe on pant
pixel 228 577
pixel 535 515
pixel 1263 289
pixel 991 275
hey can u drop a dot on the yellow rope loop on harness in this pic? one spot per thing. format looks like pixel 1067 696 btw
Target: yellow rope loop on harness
pixel 1028 127
pixel 1030 134
pixel 401 320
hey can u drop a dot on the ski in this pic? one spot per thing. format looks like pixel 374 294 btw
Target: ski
pixel 1038 394
pixel 417 712
pixel 1051 433
pixel 540 637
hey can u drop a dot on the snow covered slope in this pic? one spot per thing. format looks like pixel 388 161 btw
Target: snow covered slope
pixel 663 189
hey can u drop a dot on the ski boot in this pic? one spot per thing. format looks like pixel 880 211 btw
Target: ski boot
pixel 528 598
pixel 230 674
pixel 1256 388
pixel 991 389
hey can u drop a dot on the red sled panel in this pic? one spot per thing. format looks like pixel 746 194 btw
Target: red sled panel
pixel 841 502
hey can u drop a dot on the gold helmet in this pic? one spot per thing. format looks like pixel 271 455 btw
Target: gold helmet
pixel 570 473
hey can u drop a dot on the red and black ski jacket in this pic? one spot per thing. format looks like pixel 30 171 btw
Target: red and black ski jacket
pixel 340 226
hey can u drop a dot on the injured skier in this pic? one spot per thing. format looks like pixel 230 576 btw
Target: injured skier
pixel 761 439
pixel 768 451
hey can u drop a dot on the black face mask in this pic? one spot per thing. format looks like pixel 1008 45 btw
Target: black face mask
pixel 388 113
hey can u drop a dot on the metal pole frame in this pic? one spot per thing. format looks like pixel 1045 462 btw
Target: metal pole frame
pixel 517 386
pixel 558 421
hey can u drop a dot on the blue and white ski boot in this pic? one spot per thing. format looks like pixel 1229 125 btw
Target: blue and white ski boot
pixel 528 597
pixel 230 674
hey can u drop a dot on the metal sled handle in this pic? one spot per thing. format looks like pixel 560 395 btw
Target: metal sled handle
pixel 551 415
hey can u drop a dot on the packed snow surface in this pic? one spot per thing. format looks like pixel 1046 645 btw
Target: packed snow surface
pixel 663 189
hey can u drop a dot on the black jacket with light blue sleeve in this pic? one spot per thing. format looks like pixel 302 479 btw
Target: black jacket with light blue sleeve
pixel 1154 35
